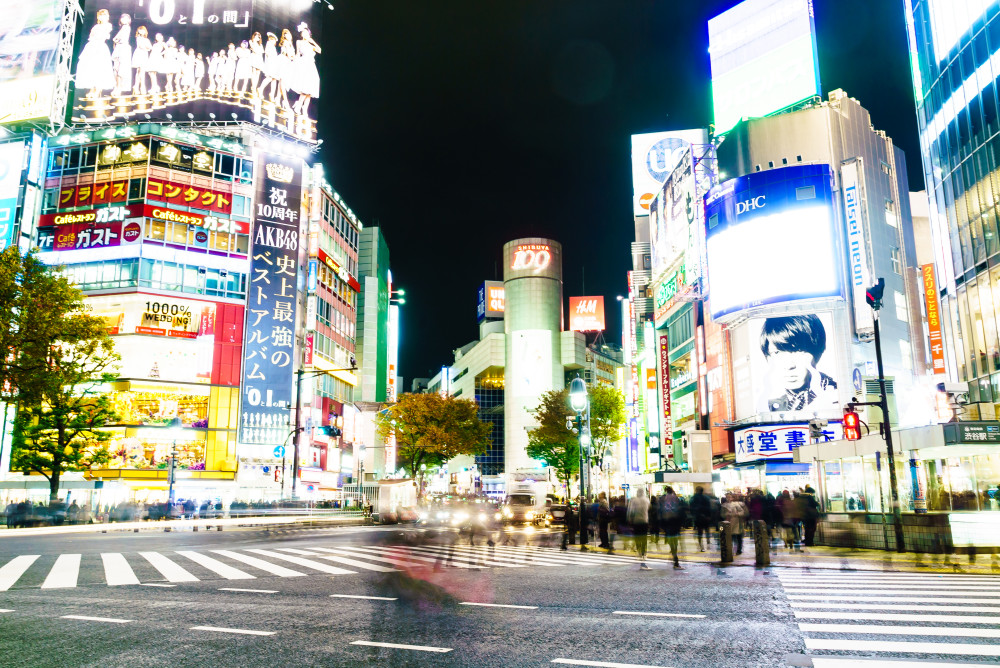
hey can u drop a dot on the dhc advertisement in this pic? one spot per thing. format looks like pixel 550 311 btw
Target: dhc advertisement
pixel 771 239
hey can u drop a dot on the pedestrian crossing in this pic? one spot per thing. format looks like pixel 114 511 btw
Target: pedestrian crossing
pixel 153 568
pixel 864 618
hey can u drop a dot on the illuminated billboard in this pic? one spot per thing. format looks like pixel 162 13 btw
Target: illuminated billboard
pixel 763 57
pixel 29 46
pixel 203 60
pixel 674 219
pixel 771 239
pixel 11 168
pixel 586 314
pixel 491 300
pixel 654 156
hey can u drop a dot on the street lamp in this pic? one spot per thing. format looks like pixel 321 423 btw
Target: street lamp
pixel 578 402
pixel 174 431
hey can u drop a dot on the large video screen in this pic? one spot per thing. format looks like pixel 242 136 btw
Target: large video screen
pixel 29 45
pixel 654 156
pixel 763 57
pixel 202 60
pixel 771 239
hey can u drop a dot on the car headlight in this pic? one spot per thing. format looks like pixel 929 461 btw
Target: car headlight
pixel 442 516
pixel 508 513
pixel 529 515
pixel 461 517
pixel 498 516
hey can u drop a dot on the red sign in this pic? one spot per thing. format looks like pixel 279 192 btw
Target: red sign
pixel 107 214
pixel 210 223
pixel 183 194
pixel 586 314
pixel 310 346
pixel 667 430
pixel 93 194
pixel 341 273
pixel 933 318
pixel 80 236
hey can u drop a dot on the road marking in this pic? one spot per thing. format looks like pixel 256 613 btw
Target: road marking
pixel 895 617
pixel 419 648
pixel 890 592
pixel 388 560
pixel 256 591
pixel 865 606
pixel 890 599
pixel 370 598
pixel 603 664
pixel 657 614
pixel 851 575
pixel 501 605
pixel 116 569
pixel 351 562
pixel 14 569
pixel 882 585
pixel 442 557
pixel 64 572
pixel 216 566
pixel 265 566
pixel 309 563
pixel 1 610
pixel 945 631
pixel 156 584
pixel 219 629
pixel 467 557
pixel 823 662
pixel 110 620
pixel 495 554
pixel 171 571
pixel 406 558
pixel 897 646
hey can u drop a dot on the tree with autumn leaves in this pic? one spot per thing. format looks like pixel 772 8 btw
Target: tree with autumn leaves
pixel 558 446
pixel 59 359
pixel 431 429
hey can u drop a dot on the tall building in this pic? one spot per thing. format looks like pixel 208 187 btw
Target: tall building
pixel 955 58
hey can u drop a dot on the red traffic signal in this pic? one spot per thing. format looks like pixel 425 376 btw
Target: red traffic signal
pixel 852 426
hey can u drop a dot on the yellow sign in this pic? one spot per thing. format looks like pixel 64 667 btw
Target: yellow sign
pixel 26 99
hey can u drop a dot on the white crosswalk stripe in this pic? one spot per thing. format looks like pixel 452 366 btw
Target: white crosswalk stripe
pixel 835 600
pixel 183 566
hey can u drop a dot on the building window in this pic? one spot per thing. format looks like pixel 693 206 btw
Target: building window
pixel 897 266
pixel 784 161
pixel 770 164
pixel 885 167
pixel 890 213
pixel 902 313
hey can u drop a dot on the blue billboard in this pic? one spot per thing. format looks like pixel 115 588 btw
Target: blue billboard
pixel 771 239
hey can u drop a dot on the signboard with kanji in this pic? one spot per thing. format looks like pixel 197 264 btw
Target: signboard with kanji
pixel 933 318
pixel 269 345
pixel 777 441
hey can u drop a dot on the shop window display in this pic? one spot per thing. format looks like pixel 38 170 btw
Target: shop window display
pixel 854 485
pixel 834 487
pixel 155 408
pixel 153 452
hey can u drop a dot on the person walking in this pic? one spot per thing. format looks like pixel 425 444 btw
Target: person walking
pixel 701 512
pixel 734 512
pixel 638 518
pixel 654 520
pixel 620 513
pixel 810 515
pixel 569 538
pixel 672 520
pixel 603 520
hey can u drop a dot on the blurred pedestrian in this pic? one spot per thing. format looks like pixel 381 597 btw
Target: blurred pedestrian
pixel 735 512
pixel 603 520
pixel 701 512
pixel 672 520
pixel 810 515
pixel 620 513
pixel 569 537
pixel 654 520
pixel 584 521
pixel 638 519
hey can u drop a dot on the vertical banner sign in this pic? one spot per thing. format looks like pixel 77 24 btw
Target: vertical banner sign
pixel 667 431
pixel 933 318
pixel 857 249
pixel 271 303
pixel 11 159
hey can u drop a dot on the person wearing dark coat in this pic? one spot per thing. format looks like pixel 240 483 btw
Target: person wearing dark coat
pixel 604 517
pixel 654 520
pixel 701 513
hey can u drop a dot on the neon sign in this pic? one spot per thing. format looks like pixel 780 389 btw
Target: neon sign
pixel 532 257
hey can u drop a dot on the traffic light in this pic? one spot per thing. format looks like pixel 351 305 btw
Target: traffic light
pixel 873 295
pixel 852 425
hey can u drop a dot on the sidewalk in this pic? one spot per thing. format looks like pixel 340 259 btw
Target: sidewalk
pixel 821 557
pixel 207 524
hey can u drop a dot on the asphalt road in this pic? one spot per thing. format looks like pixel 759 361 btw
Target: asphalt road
pixel 288 598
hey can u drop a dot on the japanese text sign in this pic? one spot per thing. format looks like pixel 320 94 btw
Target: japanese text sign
pixel 92 194
pixel 269 347
pixel 933 318
pixel 189 195
pixel 80 236
pixel 667 428
pixel 777 441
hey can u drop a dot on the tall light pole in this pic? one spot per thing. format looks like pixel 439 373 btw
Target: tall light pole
pixel 578 402
pixel 874 297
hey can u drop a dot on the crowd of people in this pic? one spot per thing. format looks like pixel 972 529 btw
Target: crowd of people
pixel 638 521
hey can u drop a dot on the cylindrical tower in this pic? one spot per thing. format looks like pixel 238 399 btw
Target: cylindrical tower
pixel 532 322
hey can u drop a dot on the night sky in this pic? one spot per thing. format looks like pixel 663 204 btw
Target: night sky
pixel 458 125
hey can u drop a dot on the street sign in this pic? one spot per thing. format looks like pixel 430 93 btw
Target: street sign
pixel 856 377
pixel 971 432
pixel 279 451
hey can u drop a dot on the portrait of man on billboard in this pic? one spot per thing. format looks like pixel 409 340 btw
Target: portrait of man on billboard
pixel 793 347
pixel 252 60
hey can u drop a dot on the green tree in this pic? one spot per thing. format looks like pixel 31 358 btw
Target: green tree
pixel 430 429
pixel 607 420
pixel 58 363
pixel 551 441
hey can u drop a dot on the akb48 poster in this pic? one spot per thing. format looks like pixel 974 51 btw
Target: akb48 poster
pixel 202 60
